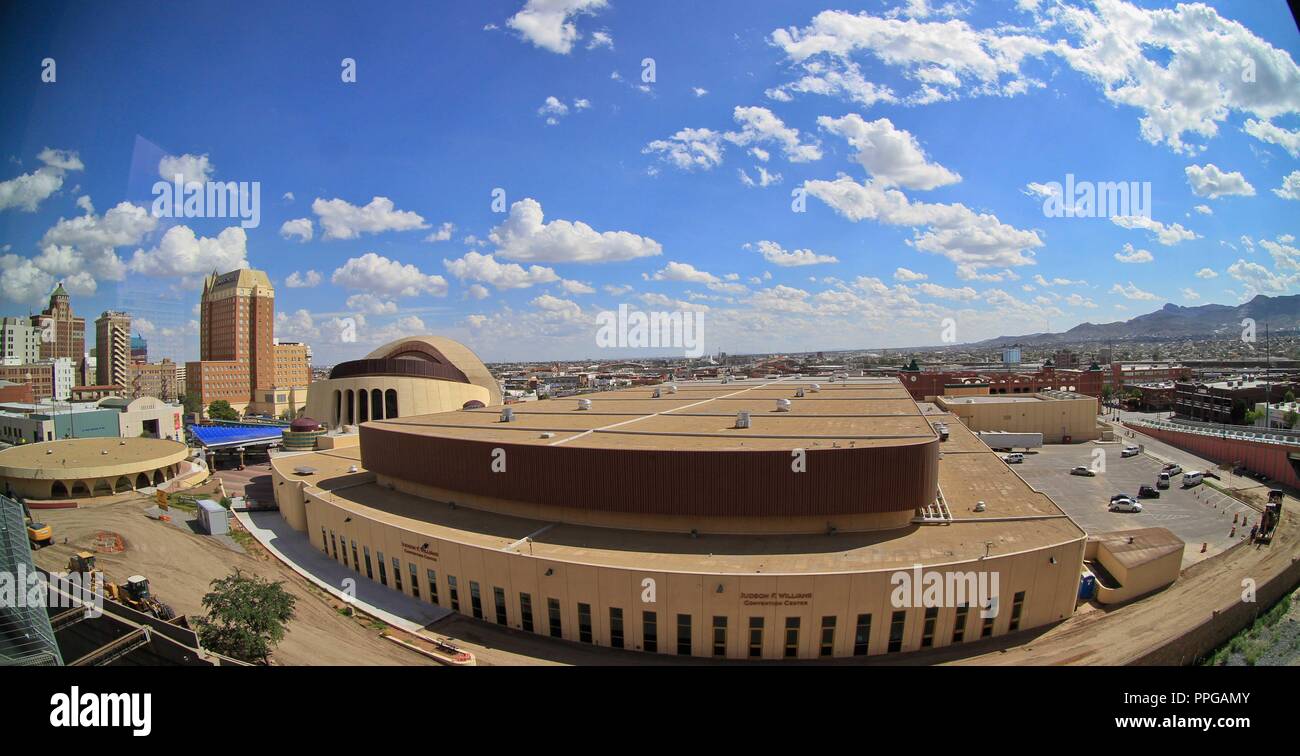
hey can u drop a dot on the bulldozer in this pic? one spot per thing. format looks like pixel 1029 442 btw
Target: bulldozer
pixel 134 593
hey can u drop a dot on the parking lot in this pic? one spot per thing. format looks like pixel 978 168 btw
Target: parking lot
pixel 1197 515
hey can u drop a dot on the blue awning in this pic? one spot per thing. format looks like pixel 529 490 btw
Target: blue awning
pixel 224 436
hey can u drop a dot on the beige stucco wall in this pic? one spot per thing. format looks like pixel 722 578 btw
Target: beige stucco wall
pixel 415 396
pixel 38 482
pixel 1140 580
pixel 1054 418
pixel 1050 590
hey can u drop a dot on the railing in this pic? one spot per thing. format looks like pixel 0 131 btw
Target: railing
pixel 1241 433
pixel 406 367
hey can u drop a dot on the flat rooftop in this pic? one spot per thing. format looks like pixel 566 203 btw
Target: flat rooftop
pixel 81 453
pixel 698 415
pixel 1016 518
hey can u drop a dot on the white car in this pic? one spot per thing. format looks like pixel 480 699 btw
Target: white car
pixel 1125 505
pixel 1130 451
pixel 1014 458
pixel 1084 471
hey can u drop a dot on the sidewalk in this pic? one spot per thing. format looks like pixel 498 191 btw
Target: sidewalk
pixel 294 549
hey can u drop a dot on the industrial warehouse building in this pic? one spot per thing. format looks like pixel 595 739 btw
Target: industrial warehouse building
pixel 752 519
pixel 1063 417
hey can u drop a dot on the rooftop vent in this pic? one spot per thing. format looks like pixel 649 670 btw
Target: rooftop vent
pixel 742 419
pixel 584 404
pixel 548 434
pixel 672 388
pixel 979 506
pixel 507 414
pixel 815 388
pixel 656 394
pixel 798 393
pixel 782 405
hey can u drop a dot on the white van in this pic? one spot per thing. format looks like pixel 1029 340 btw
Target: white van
pixel 1014 458
pixel 1193 478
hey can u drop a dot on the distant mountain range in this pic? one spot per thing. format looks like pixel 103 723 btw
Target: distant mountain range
pixel 1281 313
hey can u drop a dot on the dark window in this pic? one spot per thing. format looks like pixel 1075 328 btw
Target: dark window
pixel 1017 604
pixel 324 541
pixel 383 569
pixel 828 636
pixel 897 623
pixel 862 635
pixel 499 598
pixel 553 616
pixel 475 600
pixel 334 546
pixel 526 611
pixel 791 637
pixel 987 629
pixel 344 541
pixel 719 636
pixel 650 631
pixel 584 623
pixel 454 592
pixel 356 563
pixel 683 635
pixel 615 627
pixel 433 586
pixel 397 573
pixel 415 580
pixel 390 403
pixel 755 637
pixel 959 624
pixel 369 574
pixel 927 630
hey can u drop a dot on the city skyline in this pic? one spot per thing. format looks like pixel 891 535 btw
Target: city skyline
pixel 524 170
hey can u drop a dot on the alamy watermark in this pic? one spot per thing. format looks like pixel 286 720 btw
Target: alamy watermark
pixel 636 329
pixel 32 589
pixel 1095 199
pixel 212 199
pixel 933 589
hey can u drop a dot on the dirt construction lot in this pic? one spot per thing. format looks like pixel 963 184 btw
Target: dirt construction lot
pixel 1199 515
pixel 180 565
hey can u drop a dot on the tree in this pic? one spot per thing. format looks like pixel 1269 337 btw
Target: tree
pixel 1290 418
pixel 246 616
pixel 192 404
pixel 221 410
pixel 1288 397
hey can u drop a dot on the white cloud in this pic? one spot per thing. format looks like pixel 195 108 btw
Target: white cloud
pixel 759 126
pixel 1167 235
pixel 306 280
pixel 600 39
pixel 371 304
pixel 891 156
pixel 1132 292
pixel 1209 181
pixel 616 290
pixel 443 233
pixel 1290 188
pixel 691 149
pixel 27 191
pixel 1078 300
pixel 1206 273
pixel 191 168
pixel 679 271
pixel 1058 281
pixel 181 253
pixel 765 178
pixel 526 237
pixel 576 287
pixel 478 291
pixel 699 91
pixel 381 276
pixel 773 253
pixel 905 275
pixel 88 242
pixel 1260 280
pixel 1130 255
pixel 1190 295
pixel 553 110
pixel 343 220
pixel 549 24
pixel 1265 131
pixel 478 267
pixel 1203 210
pixel 23 282
pixel 965 293
pixel 299 227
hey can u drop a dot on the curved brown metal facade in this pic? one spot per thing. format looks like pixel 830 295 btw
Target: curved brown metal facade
pixel 664 482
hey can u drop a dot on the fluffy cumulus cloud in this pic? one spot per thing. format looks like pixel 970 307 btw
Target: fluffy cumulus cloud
pixel 306 280
pixel 890 155
pixel 1129 291
pixel 485 268
pixel 442 234
pixel 1290 188
pixel 1167 235
pixel 88 243
pixel 702 148
pixel 775 254
pixel 680 271
pixel 906 276
pixel 549 24
pixel 28 190
pixel 183 254
pixel 526 236
pixel 1264 131
pixel 379 275
pixel 973 241
pixel 1131 255
pixel 298 228
pixel 191 168
pixel 1209 181
pixel 343 220
pixel 1206 273
pixel 22 282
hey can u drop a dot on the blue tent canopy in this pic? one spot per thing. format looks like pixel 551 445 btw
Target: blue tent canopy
pixel 222 436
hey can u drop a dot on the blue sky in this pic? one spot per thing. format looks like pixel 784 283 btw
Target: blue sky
pixel 923 139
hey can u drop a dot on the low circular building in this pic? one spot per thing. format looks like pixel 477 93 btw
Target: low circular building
pixel 415 375
pixel 83 467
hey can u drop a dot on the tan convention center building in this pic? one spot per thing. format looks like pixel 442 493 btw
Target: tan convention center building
pixel 750 519
pixel 82 467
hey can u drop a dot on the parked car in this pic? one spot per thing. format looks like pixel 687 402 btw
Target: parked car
pixel 1014 458
pixel 1085 471
pixel 1173 468
pixel 1130 451
pixel 1193 478
pixel 1125 505
pixel 1119 496
pixel 1163 480
pixel 1147 492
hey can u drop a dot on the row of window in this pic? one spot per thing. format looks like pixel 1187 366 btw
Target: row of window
pixel 650 619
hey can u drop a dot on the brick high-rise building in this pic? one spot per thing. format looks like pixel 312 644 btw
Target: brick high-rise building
pixel 112 348
pixel 236 340
pixel 61 332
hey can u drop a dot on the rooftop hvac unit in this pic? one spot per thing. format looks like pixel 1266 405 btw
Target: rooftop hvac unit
pixel 672 388
pixel 814 388
pixel 782 405
pixel 584 404
pixel 507 415
pixel 798 393
pixel 656 394
pixel 742 419
pixel 548 434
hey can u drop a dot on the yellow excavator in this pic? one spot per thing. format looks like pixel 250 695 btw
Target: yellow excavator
pixel 134 593
pixel 38 533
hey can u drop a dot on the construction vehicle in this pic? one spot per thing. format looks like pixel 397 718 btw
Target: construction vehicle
pixel 38 533
pixel 135 593
pixel 1270 518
